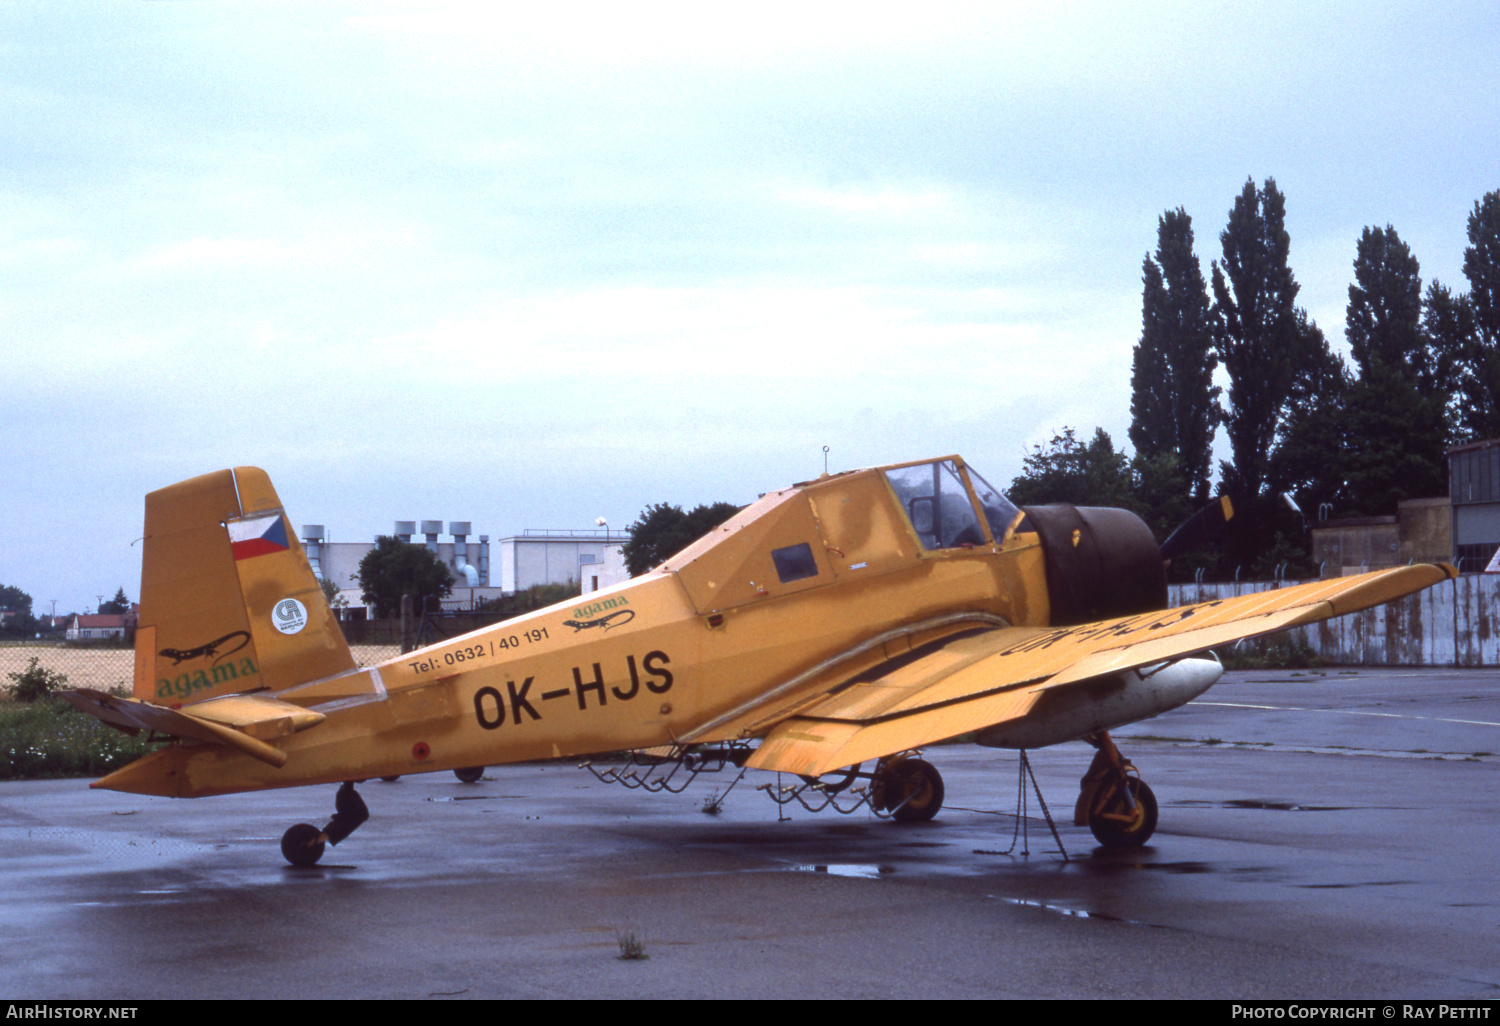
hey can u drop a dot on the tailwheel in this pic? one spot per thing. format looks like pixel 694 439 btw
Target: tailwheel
pixel 911 790
pixel 302 845
pixel 1125 817
pixel 469 774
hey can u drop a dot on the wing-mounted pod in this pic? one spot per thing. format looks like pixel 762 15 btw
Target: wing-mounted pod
pixel 1101 563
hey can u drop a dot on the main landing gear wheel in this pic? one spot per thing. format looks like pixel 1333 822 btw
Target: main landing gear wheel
pixel 469 774
pixel 1122 823
pixel 911 790
pixel 302 845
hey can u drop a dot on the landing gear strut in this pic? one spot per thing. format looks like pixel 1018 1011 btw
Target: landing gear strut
pixel 303 844
pixel 1113 800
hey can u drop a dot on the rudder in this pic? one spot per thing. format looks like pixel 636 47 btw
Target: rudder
pixel 229 602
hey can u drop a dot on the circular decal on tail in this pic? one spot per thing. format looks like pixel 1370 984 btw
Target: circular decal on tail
pixel 289 616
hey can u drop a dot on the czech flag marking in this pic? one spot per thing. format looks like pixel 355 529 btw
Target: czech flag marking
pixel 259 536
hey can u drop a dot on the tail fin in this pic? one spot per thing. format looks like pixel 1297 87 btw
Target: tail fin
pixel 228 600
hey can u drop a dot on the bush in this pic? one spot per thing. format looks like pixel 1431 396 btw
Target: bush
pixel 35 682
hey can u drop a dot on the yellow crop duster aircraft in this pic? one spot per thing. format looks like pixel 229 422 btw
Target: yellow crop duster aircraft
pixel 836 623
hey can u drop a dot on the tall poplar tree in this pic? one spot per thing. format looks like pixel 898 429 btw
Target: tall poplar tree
pixel 1480 380
pixel 1448 323
pixel 1396 413
pixel 1256 330
pixel 1172 405
pixel 1273 354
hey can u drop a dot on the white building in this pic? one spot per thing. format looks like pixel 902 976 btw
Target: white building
pixel 589 558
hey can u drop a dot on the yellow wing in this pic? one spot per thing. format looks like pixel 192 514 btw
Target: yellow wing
pixel 978 680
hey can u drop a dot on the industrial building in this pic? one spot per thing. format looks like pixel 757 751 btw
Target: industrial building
pixel 1474 490
pixel 589 558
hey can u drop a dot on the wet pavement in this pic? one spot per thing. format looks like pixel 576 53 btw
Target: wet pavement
pixel 1322 834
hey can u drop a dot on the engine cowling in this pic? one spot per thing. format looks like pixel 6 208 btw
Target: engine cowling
pixel 1101 562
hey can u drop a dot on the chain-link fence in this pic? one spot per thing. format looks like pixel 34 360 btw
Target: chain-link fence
pixel 86 666
pixel 105 666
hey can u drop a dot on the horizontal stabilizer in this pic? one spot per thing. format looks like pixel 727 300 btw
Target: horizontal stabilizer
pixel 239 721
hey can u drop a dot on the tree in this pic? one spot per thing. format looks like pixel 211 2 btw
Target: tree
pixel 117 605
pixel 663 530
pixel 1383 321
pixel 1396 413
pixel 15 611
pixel 1067 470
pixel 1480 382
pixel 1256 330
pixel 1448 323
pixel 1308 461
pixel 331 594
pixel 1173 399
pixel 1272 352
pixel 394 568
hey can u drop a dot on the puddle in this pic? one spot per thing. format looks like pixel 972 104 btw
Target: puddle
pixel 857 870
pixel 1062 910
pixel 474 798
pixel 1251 803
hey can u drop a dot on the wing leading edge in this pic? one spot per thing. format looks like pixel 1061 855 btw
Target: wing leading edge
pixel 976 681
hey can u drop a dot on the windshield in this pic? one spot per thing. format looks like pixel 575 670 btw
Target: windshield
pixel 998 510
pixel 937 504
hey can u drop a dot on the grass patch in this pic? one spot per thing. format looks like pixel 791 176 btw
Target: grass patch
pixel 1273 653
pixel 632 948
pixel 50 738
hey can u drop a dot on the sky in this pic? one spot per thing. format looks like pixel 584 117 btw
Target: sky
pixel 529 268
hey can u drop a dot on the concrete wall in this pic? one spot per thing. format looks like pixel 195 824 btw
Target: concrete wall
pixel 1456 623
pixel 1354 546
pixel 1426 530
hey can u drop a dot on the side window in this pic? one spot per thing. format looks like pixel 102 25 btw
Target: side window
pixel 934 499
pixel 794 563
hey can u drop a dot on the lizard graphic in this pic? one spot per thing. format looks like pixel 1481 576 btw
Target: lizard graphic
pixel 603 621
pixel 178 655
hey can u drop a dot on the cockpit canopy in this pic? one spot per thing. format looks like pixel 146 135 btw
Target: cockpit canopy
pixel 937 502
pixel 856 525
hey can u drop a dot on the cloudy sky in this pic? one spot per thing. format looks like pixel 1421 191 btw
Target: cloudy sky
pixel 460 262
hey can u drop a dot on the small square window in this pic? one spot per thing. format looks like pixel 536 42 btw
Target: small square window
pixel 795 563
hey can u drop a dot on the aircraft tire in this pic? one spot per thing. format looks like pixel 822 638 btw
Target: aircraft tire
pixel 469 774
pixel 300 845
pixel 918 779
pixel 1113 833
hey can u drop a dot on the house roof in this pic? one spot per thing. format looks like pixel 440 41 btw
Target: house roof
pixel 98 620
